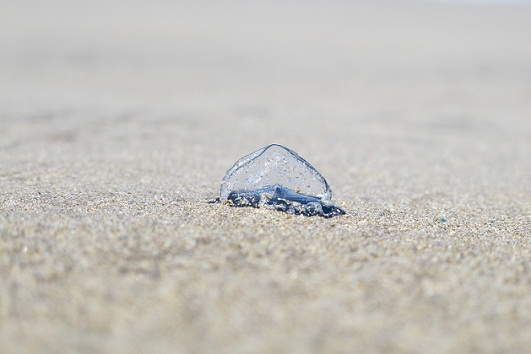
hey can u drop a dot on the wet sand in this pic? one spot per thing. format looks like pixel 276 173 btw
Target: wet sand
pixel 117 123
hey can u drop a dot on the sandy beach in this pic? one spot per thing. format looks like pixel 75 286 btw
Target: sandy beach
pixel 119 119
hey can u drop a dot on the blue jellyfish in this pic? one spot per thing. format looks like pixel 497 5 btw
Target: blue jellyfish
pixel 279 178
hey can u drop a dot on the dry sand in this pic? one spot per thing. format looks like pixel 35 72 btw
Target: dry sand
pixel 119 119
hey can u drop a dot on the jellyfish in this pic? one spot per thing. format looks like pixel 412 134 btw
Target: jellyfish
pixel 277 177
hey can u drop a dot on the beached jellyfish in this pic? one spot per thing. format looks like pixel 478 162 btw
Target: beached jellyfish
pixel 277 177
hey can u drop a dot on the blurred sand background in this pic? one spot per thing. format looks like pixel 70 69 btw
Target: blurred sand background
pixel 118 120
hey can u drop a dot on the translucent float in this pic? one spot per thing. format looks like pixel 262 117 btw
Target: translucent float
pixel 277 177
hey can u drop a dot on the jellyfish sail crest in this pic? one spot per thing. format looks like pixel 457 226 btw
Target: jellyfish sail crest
pixel 278 177
pixel 275 164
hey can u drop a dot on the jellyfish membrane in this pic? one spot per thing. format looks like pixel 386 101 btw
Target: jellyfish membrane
pixel 278 178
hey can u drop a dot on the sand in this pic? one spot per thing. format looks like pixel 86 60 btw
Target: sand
pixel 119 119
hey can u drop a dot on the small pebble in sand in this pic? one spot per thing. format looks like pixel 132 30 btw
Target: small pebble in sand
pixel 279 178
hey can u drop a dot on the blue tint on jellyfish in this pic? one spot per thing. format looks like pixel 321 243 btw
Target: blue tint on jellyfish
pixel 278 178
